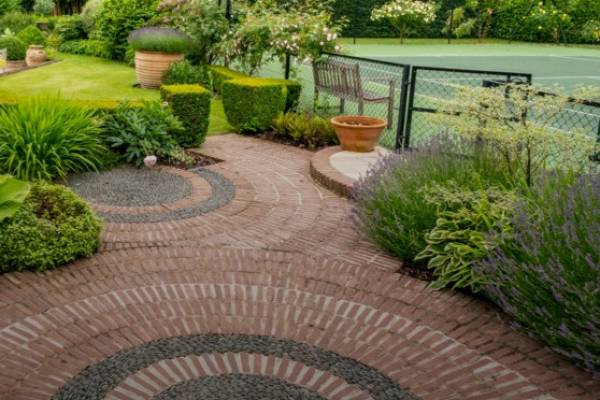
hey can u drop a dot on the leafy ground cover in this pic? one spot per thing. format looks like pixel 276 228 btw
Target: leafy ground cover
pixel 89 80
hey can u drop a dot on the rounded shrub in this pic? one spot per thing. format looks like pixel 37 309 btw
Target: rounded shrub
pixel 42 139
pixel 53 227
pixel 184 72
pixel 251 104
pixel 164 40
pixel 15 47
pixel 31 35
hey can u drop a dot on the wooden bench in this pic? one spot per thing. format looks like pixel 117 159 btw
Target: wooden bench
pixel 343 80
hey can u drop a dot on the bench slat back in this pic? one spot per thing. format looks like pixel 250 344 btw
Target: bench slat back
pixel 338 78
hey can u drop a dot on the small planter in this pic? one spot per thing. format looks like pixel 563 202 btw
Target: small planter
pixel 358 133
pixel 36 55
pixel 151 67
pixel 156 48
pixel 150 161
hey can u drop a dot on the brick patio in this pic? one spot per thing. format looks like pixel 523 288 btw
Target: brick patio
pixel 280 261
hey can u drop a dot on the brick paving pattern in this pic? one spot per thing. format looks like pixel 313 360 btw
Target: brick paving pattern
pixel 281 267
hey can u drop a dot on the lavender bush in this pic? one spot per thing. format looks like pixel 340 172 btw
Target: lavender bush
pixel 392 209
pixel 548 277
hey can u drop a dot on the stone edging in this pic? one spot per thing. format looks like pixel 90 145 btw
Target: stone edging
pixel 323 172
pixel 15 71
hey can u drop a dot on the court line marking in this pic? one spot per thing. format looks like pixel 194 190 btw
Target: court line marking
pixel 580 58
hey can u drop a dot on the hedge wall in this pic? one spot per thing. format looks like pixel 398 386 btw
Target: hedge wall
pixel 359 24
pixel 251 104
pixel 191 104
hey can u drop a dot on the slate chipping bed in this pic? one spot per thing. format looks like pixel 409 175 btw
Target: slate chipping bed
pixel 94 382
pixel 222 192
pixel 237 386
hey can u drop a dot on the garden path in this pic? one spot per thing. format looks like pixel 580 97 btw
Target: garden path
pixel 254 284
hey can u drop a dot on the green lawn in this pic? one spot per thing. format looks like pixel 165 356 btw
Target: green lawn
pixel 89 80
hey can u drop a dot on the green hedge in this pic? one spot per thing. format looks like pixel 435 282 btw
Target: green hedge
pixel 95 48
pixel 220 74
pixel 53 227
pixel 293 91
pixel 251 104
pixel 358 15
pixel 32 35
pixel 191 104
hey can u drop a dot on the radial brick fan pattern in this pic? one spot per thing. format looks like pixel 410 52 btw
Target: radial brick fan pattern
pixel 249 281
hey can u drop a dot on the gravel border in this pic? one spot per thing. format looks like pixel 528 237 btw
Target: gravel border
pixel 127 186
pixel 222 193
pixel 94 382
pixel 237 386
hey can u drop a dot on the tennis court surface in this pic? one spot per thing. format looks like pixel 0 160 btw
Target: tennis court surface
pixel 550 65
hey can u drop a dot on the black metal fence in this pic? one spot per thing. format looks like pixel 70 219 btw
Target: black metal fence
pixel 417 93
pixel 430 87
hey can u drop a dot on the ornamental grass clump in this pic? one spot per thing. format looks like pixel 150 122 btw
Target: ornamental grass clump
pixel 163 40
pixel 548 275
pixel 42 139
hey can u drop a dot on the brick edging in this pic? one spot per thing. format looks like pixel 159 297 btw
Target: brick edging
pixel 323 172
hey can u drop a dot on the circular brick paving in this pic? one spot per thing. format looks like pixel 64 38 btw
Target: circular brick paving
pixel 274 289
pixel 435 345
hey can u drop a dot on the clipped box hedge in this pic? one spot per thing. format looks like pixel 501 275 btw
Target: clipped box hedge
pixel 191 104
pixel 251 104
pixel 219 75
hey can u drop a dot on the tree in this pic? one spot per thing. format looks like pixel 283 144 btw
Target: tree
pixel 474 18
pixel 405 15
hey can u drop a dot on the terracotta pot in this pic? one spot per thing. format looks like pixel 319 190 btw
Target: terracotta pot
pixel 150 161
pixel 151 67
pixel 36 55
pixel 358 133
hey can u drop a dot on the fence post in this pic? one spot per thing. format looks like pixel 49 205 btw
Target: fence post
pixel 402 109
pixel 288 65
pixel 409 108
pixel 228 10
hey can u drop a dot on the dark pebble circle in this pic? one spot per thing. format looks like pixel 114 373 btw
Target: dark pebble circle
pixel 94 382
pixel 237 386
pixel 127 186
pixel 222 192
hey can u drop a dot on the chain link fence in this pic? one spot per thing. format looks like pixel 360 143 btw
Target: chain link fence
pixel 407 96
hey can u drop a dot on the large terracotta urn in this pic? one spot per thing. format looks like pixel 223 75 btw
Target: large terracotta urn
pixel 36 55
pixel 151 67
pixel 357 132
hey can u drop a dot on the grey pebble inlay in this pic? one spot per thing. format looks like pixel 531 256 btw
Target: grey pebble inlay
pixel 222 193
pixel 94 382
pixel 237 387
pixel 127 186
